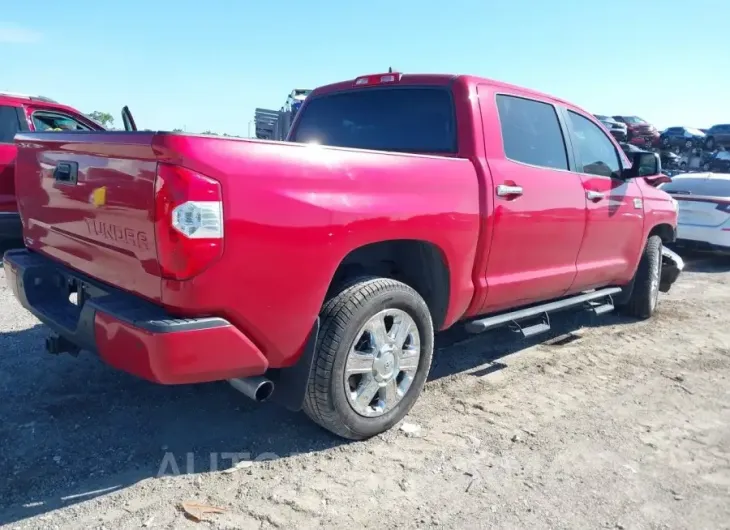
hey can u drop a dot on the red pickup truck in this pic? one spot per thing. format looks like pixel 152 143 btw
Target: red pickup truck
pixel 27 113
pixel 316 271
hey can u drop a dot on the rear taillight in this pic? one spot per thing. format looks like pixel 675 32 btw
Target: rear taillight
pixel 188 221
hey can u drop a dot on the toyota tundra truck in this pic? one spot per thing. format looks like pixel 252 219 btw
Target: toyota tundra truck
pixel 315 271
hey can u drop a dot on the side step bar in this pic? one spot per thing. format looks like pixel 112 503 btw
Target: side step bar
pixel 598 302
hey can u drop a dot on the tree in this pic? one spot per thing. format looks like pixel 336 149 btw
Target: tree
pixel 106 119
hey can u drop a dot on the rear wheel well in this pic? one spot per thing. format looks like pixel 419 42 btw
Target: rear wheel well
pixel 665 231
pixel 418 264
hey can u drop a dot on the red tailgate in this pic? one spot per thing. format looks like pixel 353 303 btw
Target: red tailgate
pixel 88 200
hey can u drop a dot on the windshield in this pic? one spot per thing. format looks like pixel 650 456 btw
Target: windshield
pixel 634 119
pixel 713 187
pixel 696 132
pixel 408 119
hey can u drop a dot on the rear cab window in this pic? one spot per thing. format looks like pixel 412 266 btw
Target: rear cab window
pixel 400 119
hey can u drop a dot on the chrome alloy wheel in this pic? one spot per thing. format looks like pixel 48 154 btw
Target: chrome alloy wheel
pixel 382 362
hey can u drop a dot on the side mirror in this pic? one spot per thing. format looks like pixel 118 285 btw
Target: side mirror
pixel 643 164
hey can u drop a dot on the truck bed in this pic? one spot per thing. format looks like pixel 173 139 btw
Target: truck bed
pixel 91 202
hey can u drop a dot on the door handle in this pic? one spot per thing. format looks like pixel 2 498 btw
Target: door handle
pixel 66 172
pixel 508 191
pixel 594 195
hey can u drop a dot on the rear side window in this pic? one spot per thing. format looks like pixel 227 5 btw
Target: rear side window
pixel 596 153
pixel 9 124
pixel 416 120
pixel 684 185
pixel 531 132
pixel 717 188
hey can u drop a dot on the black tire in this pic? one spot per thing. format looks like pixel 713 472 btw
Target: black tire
pixel 645 293
pixel 666 143
pixel 341 318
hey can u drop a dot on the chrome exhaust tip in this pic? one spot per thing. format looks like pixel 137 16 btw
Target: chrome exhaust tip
pixel 257 388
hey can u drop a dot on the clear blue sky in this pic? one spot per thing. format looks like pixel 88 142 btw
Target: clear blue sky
pixel 208 64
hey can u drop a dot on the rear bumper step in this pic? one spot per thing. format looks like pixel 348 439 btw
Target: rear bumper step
pixel 543 310
pixel 127 332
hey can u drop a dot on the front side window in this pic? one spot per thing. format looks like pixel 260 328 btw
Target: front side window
pixel 531 132
pixel 9 124
pixel 596 153
pixel 52 121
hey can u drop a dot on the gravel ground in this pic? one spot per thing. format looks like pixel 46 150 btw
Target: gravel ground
pixel 608 423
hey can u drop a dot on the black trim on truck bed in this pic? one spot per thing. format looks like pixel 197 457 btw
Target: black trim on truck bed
pixel 45 287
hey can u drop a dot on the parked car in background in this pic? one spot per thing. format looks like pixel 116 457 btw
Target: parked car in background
pixel 630 149
pixel 670 160
pixel 719 162
pixel 681 138
pixel 639 131
pixel 617 129
pixel 20 113
pixel 341 263
pixel 717 136
pixel 703 200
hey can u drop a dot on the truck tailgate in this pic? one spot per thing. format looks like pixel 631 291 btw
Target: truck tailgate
pixel 88 200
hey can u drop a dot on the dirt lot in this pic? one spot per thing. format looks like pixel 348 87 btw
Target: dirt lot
pixel 619 425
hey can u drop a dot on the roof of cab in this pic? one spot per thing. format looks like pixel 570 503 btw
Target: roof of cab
pixel 442 80
pixel 16 100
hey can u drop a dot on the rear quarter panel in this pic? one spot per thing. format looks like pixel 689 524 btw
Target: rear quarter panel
pixel 293 212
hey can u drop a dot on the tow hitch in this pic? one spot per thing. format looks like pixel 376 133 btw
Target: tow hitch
pixel 56 344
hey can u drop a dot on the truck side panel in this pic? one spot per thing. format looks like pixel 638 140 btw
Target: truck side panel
pixel 293 212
